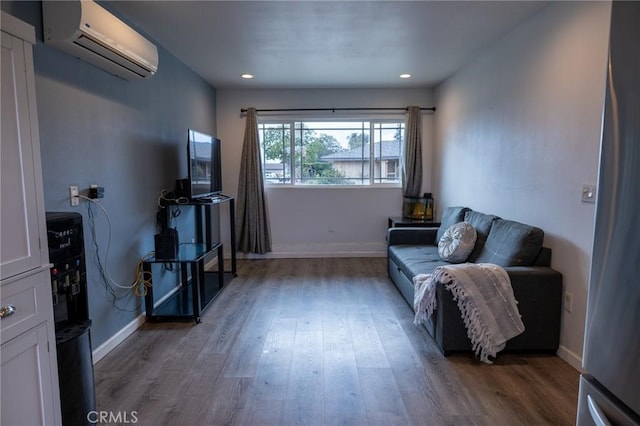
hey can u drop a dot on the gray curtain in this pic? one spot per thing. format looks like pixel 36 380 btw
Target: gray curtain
pixel 252 218
pixel 412 154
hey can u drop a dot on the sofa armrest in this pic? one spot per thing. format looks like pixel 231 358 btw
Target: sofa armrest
pixel 538 290
pixel 533 274
pixel 539 284
pixel 411 236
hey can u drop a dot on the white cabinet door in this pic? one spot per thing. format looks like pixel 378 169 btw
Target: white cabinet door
pixel 21 173
pixel 26 380
pixel 30 394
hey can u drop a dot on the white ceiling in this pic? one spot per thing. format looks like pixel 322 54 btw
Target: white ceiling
pixel 326 44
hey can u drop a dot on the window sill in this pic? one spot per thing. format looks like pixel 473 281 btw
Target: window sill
pixel 299 186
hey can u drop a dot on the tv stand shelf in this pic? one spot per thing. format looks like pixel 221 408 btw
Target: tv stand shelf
pixel 198 287
pixel 187 301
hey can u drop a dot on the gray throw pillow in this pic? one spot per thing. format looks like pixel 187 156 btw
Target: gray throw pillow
pixel 511 243
pixel 457 242
pixel 450 215
pixel 482 224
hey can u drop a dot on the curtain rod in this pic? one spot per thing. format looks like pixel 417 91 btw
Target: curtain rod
pixel 243 110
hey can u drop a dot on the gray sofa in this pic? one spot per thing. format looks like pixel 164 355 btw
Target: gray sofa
pixel 515 246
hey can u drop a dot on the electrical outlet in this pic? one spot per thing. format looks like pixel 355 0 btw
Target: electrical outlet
pixel 74 198
pixel 568 302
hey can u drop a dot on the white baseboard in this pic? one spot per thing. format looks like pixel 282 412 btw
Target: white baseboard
pixel 211 264
pixel 571 358
pixel 102 350
pixel 299 251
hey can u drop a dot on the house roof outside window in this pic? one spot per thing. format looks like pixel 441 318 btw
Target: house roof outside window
pixel 385 150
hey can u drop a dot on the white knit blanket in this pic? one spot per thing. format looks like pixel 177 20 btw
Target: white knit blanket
pixel 485 298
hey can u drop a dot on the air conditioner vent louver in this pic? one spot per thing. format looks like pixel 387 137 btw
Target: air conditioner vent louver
pixel 97 49
pixel 89 32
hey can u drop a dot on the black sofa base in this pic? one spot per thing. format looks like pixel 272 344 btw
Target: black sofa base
pixel 537 289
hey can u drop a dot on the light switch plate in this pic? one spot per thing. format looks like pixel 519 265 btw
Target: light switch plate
pixel 588 193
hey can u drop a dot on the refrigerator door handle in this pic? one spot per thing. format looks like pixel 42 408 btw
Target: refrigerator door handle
pixel 598 416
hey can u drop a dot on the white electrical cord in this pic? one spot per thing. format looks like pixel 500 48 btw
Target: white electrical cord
pixel 106 256
pixel 163 197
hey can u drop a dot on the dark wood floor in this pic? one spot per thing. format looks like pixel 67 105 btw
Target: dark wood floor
pixel 321 341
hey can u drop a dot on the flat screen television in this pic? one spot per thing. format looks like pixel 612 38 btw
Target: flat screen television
pixel 205 172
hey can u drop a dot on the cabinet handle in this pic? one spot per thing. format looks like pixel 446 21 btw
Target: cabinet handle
pixel 7 311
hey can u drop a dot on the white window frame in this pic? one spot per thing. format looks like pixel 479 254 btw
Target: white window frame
pixel 291 121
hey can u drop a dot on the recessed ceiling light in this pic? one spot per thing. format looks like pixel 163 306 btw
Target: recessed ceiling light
pixel 247 76
pixel 405 75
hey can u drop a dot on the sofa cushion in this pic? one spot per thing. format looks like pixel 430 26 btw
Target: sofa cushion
pixel 482 224
pixel 413 260
pixel 450 216
pixel 511 244
pixel 457 242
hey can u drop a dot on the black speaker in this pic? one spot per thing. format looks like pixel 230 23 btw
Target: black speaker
pixel 167 245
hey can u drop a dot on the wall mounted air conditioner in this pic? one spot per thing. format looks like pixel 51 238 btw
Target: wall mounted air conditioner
pixel 89 32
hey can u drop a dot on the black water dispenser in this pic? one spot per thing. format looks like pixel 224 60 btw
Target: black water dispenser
pixel 71 315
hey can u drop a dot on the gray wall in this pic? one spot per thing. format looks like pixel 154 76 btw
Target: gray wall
pixel 518 134
pixel 127 136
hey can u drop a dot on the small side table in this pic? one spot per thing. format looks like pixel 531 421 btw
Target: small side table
pixel 400 222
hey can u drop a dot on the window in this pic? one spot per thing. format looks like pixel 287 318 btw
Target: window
pixel 331 152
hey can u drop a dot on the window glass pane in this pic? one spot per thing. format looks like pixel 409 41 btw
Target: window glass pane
pixel 349 163
pixel 387 148
pixel 275 139
pixel 315 145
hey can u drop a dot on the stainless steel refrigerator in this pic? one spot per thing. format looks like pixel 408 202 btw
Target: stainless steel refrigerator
pixel 610 390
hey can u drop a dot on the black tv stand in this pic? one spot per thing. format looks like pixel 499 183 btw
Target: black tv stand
pixel 198 287
pixel 213 199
